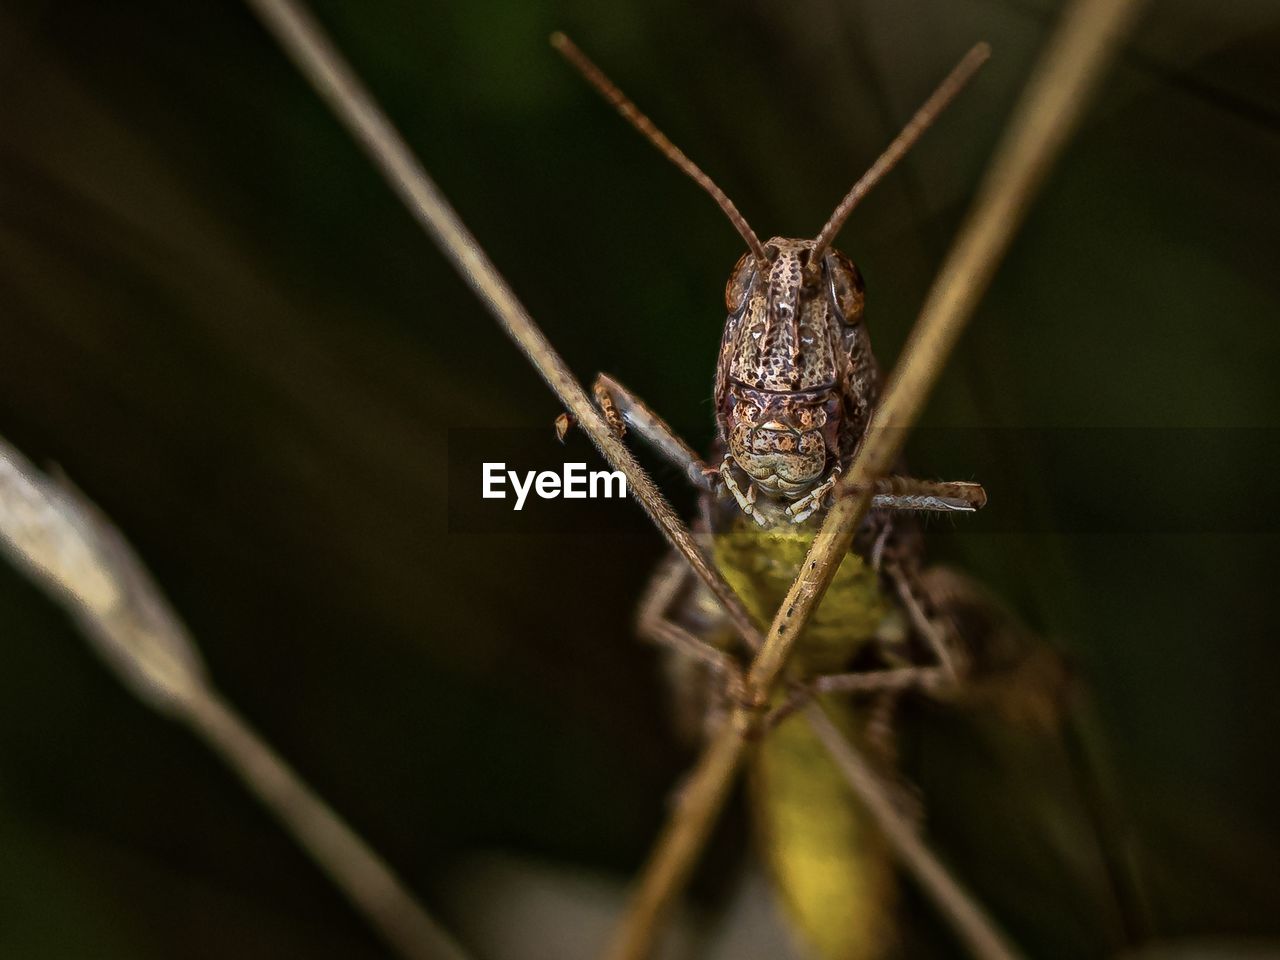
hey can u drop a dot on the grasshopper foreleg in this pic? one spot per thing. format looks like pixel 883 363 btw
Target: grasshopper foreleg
pixel 621 409
pixel 900 493
pixel 803 508
pixel 746 498
pixel 908 493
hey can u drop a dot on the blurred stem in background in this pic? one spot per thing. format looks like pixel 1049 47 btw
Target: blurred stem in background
pixel 50 531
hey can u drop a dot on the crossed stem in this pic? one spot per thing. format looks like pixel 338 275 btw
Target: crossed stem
pixel 1046 114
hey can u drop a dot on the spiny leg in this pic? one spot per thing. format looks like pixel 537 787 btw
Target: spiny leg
pixel 626 409
pixel 901 493
pixel 939 634
pixel 746 499
pixel 891 680
pixel 654 623
pixel 621 409
pixel 990 656
pixel 604 400
pixel 1004 664
pixel 939 678
pixel 918 596
pixel 908 493
pixel 1029 684
pixel 981 654
pixel 803 508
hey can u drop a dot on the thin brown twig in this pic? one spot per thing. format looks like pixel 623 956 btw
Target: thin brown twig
pixel 340 852
pixel 328 72
pixel 66 546
pixel 1046 113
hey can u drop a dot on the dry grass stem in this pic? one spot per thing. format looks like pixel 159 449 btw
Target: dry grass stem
pixel 69 549
pixel 365 877
pixel 331 76
pixel 1044 117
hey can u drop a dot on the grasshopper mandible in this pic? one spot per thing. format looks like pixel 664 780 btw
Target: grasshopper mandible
pixel 795 385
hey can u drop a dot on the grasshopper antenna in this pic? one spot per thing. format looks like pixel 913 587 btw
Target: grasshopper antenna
pixel 631 113
pixel 904 141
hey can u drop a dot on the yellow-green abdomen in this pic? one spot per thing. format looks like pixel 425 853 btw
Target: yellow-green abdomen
pixel 828 859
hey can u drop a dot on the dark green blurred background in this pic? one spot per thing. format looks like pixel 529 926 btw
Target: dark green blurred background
pixel 217 319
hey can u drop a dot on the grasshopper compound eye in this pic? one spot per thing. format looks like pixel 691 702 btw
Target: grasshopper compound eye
pixel 739 285
pixel 847 290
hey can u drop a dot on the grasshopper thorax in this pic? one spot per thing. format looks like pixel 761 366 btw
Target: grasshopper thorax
pixel 786 364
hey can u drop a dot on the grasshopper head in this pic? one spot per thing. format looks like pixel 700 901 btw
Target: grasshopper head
pixel 783 363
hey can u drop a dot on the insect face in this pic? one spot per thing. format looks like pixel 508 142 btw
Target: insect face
pixel 784 362
pixel 779 439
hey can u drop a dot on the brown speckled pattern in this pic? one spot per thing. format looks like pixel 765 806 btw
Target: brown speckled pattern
pixel 795 381
pixel 784 339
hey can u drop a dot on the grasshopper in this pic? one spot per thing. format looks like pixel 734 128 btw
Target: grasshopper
pixel 795 385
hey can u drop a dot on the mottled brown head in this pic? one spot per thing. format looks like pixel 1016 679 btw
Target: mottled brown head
pixel 785 363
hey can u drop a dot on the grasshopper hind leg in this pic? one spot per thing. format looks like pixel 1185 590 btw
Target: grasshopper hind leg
pixel 680 615
pixel 1001 663
pixel 978 653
